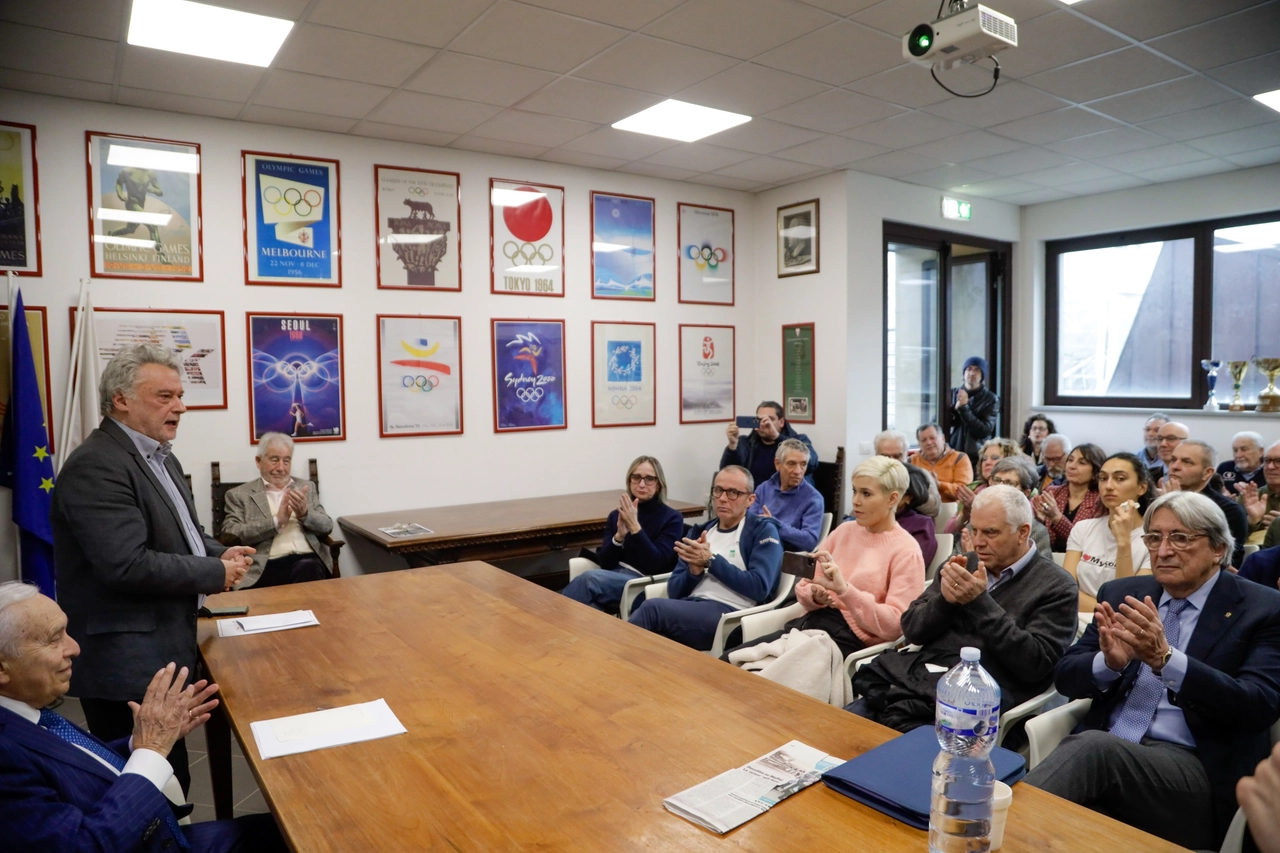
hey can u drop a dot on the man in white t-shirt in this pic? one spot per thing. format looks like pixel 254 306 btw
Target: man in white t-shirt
pixel 730 563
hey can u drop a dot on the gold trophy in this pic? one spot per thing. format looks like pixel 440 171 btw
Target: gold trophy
pixel 1269 398
pixel 1238 370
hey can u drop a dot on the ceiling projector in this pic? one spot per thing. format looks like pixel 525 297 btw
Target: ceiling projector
pixel 967 35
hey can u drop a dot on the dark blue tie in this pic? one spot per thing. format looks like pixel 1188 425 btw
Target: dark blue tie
pixel 63 728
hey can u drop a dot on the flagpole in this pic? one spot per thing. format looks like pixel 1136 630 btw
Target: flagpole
pixel 12 311
pixel 68 403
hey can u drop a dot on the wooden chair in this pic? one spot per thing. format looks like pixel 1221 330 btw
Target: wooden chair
pixel 220 489
pixel 829 480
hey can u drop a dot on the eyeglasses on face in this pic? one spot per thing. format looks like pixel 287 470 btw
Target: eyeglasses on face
pixel 644 478
pixel 1178 540
pixel 1271 460
pixel 731 494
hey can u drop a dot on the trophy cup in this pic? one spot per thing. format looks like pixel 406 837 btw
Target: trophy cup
pixel 1269 398
pixel 1238 370
pixel 1212 365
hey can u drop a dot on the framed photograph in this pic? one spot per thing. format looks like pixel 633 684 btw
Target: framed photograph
pixel 38 331
pixel 292 225
pixel 797 373
pixel 622 229
pixel 419 375
pixel 706 254
pixel 528 375
pixel 622 374
pixel 295 376
pixel 144 208
pixel 526 238
pixel 197 337
pixel 418 216
pixel 798 238
pixel 19 200
pixel 706 374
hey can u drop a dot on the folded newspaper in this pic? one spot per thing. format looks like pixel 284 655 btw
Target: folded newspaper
pixel 736 796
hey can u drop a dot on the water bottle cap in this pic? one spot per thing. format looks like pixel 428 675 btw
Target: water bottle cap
pixel 969 653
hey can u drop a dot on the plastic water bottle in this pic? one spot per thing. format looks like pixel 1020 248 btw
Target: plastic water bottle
pixel 967 719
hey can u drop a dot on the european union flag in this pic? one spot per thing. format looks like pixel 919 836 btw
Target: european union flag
pixel 25 463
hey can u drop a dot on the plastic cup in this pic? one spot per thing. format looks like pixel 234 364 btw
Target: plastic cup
pixel 1000 803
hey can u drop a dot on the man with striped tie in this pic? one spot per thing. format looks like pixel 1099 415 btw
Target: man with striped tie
pixel 1183 668
pixel 62 789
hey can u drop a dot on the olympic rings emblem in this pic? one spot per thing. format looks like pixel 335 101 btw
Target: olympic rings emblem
pixel 705 257
pixel 625 401
pixel 708 371
pixel 416 191
pixel 527 252
pixel 420 383
pixel 529 395
pixel 310 199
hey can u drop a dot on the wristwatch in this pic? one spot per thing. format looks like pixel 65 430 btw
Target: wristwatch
pixel 1164 661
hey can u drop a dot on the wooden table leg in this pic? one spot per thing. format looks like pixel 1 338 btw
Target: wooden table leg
pixel 218 735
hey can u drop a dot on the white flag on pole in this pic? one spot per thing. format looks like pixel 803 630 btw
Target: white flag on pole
pixel 80 414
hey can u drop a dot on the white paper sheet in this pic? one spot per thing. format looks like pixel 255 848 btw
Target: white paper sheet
pixel 324 729
pixel 268 622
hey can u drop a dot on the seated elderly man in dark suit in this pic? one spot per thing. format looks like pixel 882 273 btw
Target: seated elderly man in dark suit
pixel 1017 606
pixel 281 517
pixel 1183 668
pixel 62 789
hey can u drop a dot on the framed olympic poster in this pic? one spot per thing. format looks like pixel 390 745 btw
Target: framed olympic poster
pixel 706 254
pixel 38 332
pixel 196 337
pixel 706 374
pixel 418 220
pixel 144 208
pixel 528 375
pixel 419 375
pixel 797 373
pixel 292 229
pixel 295 376
pixel 621 246
pixel 622 374
pixel 526 238
pixel 19 200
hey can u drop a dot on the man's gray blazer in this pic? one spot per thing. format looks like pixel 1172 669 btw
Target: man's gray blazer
pixel 127 579
pixel 250 520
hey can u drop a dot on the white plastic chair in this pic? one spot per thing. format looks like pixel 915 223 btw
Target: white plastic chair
pixel 758 625
pixel 1059 557
pixel 634 587
pixel 578 565
pixel 946 542
pixel 1029 708
pixel 733 619
pixel 1250 549
pixel 827 518
pixel 946 511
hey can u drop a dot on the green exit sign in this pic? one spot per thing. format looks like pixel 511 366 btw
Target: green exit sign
pixel 954 208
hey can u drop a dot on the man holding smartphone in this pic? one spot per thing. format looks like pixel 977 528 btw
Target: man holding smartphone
pixel 756 451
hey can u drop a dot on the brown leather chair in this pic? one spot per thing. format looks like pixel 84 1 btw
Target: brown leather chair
pixel 220 490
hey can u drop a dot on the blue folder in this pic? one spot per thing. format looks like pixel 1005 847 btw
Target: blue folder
pixel 897 777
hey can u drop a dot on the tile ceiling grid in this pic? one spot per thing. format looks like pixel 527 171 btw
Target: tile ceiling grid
pixel 823 78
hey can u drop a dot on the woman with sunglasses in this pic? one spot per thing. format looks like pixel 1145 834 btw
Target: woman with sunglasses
pixel 1102 549
pixel 639 539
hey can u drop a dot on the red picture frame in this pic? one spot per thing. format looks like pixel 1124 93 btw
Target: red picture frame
pixel 493 248
pixel 654 331
pixel 564 378
pixel 337 221
pixel 462 417
pixel 197 227
pixel 653 230
pixel 222 329
pixel 48 388
pixel 377 230
pixel 342 371
pixel 35 200
pixel 733 397
pixel 733 249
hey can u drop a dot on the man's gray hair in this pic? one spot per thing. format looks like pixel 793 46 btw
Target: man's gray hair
pixel 892 435
pixel 1156 416
pixel 1198 514
pixel 120 376
pixel 1056 437
pixel 1208 450
pixel 751 481
pixel 1028 476
pixel 270 438
pixel 1255 437
pixel 11 632
pixel 1017 509
pixel 792 445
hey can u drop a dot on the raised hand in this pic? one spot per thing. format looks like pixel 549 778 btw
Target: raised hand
pixel 959 586
pixel 165 713
pixel 696 553
pixel 1116 651
pixel 731 431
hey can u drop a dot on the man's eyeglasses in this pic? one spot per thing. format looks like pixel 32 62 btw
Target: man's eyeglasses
pixel 731 494
pixel 1271 460
pixel 642 478
pixel 1178 541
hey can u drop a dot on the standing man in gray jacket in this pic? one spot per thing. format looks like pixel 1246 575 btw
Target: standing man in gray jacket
pixel 132 560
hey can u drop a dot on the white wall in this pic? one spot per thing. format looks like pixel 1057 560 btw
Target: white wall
pixel 366 473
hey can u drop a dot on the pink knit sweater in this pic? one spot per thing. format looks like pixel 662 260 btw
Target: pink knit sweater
pixel 885 573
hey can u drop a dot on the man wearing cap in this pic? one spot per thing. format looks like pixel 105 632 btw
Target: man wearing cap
pixel 976 407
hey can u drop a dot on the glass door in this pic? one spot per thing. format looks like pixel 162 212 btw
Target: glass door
pixel 912 352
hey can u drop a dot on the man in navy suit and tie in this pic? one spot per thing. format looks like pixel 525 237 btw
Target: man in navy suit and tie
pixel 61 789
pixel 1183 668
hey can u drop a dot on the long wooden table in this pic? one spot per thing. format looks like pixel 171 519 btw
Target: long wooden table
pixel 535 723
pixel 490 531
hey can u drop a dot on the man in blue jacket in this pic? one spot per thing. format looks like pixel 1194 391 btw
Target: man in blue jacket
pixel 756 451
pixel 730 563
pixel 790 500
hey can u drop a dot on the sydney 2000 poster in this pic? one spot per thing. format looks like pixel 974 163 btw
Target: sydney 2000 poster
pixel 291 227
pixel 528 375
pixel 295 376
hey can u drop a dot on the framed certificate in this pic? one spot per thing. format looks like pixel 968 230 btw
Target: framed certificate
pixel 144 207
pixel 418 220
pixel 295 376
pixel 798 239
pixel 706 254
pixel 622 374
pixel 419 375
pixel 528 375
pixel 292 230
pixel 526 238
pixel 706 374
pixel 19 200
pixel 38 333
pixel 797 373
pixel 621 246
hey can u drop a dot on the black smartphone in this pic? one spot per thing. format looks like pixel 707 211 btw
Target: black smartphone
pixel 747 422
pixel 971 561
pixel 800 565
pixel 212 612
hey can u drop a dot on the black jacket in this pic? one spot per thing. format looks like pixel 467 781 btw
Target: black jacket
pixel 974 424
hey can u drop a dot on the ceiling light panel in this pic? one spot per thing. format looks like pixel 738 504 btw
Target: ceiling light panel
pixel 198 29
pixel 685 122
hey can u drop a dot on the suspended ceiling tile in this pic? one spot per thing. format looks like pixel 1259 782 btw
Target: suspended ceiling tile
pixel 903 131
pixel 157 70
pixel 740 28
pixel 536 37
pixel 750 89
pixel 431 22
pixel 1050 127
pixel 1009 101
pixel 767 169
pixel 456 75
pixel 57 54
pixel 290 10
pixel 505 147
pixel 178 103
pixel 698 157
pixel 432 112
pixel 1144 19
pixel 1239 141
pixel 295 118
pixel 331 52
pixel 996 188
pixel 1253 76
pixel 1071 173
pixel 1225 40
pixel 608 142
pixel 1172 154
pixel 1107 142
pixel 1163 99
pixel 831 151
pixel 581 158
pixel 101 19
pixel 588 101
pixel 1054 40
pixel 910 85
pixel 628 14
pixel 532 128
pixel 62 87
pixel 726 182
pixel 1021 162
pixel 1024 11
pixel 842 8
pixel 1111 74
pixel 837 54
pixel 967 146
pixel 324 95
pixel 835 110
pixel 1036 196
pixel 1207 121
pixel 1106 185
pixel 653 170
pixel 654 65
pixel 762 136
pixel 377 130
pixel 1187 170
pixel 949 176
pixel 896 18
pixel 1261 157
pixel 895 164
